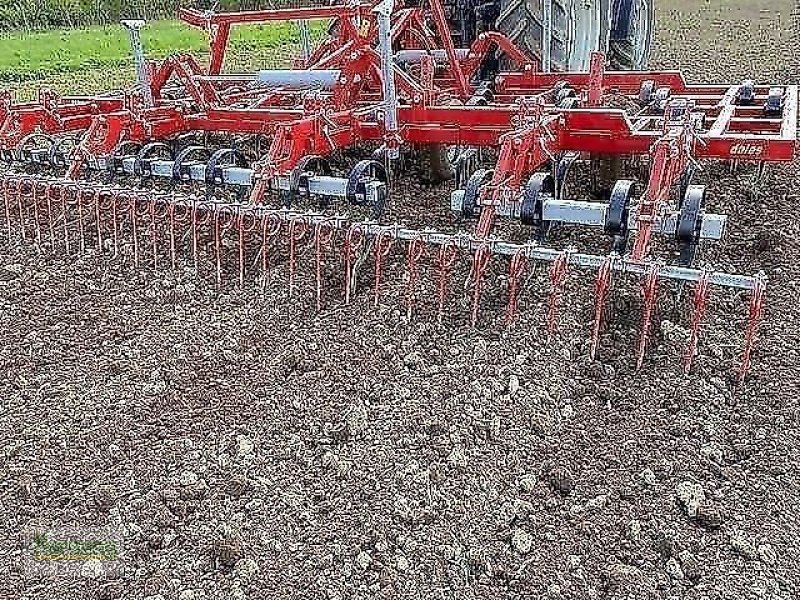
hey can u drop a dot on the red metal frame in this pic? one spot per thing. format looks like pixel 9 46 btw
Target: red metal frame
pixel 432 109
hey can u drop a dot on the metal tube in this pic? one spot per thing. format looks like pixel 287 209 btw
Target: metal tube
pixel 383 12
pixel 134 30
pixel 547 34
pixel 415 56
pixel 305 42
pixel 300 79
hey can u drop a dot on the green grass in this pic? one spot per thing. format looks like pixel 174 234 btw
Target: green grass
pixel 43 55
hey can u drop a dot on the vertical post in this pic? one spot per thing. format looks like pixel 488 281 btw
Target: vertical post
pixel 547 33
pixel 134 30
pixel 305 42
pixel 384 12
pixel 219 35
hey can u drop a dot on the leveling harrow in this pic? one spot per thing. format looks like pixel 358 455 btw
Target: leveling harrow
pixel 191 156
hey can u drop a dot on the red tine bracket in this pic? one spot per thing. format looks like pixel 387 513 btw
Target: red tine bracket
pixel 478 272
pixel 384 242
pixel 353 242
pixel 755 313
pixel 602 286
pixel 702 291
pixel 223 220
pixel 516 268
pixel 414 251
pixel 650 294
pixel 298 227
pixel 246 224
pixel 445 261
pixel 271 226
pixel 558 278
pixel 323 236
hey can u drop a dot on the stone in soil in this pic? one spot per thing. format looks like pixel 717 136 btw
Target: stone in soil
pixel 691 496
pixel 561 480
pixel 521 540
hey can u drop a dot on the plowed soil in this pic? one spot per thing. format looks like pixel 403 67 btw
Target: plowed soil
pixel 245 446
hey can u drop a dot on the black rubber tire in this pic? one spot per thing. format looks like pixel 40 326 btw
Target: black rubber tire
pixel 621 55
pixel 434 167
pixel 522 22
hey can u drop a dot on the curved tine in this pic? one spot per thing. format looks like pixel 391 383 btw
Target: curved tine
pixel 271 225
pixel 63 191
pixel 445 260
pixel 414 251
pixel 245 226
pixel 478 272
pixel 127 202
pixel 110 205
pixel 7 201
pixel 323 236
pixel 383 247
pixel 516 268
pixel 754 315
pixel 298 228
pixel 37 186
pixel 353 242
pixel 224 218
pixel 30 183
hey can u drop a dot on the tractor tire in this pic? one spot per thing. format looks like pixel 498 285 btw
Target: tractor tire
pixel 576 30
pixel 631 34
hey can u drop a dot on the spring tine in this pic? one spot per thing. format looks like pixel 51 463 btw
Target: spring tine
pixel 755 312
pixel 414 251
pixel 264 253
pixel 479 264
pixel 35 202
pixel 21 213
pixel 700 304
pixel 383 247
pixel 98 216
pixel 171 213
pixel 114 201
pixel 79 199
pixel 242 239
pixel 352 242
pixel 6 199
pixel 446 259
pixel 134 231
pixel 153 232
pixel 297 231
pixel 650 293
pixel 271 227
pixel 194 236
pixel 48 193
pixel 516 268
pixel 218 245
pixel 323 235
pixel 558 278
pixel 67 245
pixel 602 286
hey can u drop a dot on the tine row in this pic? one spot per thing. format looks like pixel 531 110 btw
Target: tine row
pixel 44 206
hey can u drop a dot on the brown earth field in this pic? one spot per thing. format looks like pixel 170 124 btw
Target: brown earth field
pixel 238 444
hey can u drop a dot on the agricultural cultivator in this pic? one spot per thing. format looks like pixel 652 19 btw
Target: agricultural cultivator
pixel 301 160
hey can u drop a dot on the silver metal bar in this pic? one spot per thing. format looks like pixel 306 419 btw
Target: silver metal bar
pixel 547 33
pixel 305 41
pixel 467 242
pixel 384 12
pixel 134 27
pixel 307 79
pixel 413 57
pixel 593 214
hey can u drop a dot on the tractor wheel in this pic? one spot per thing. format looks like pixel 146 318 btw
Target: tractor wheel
pixel 576 30
pixel 631 34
